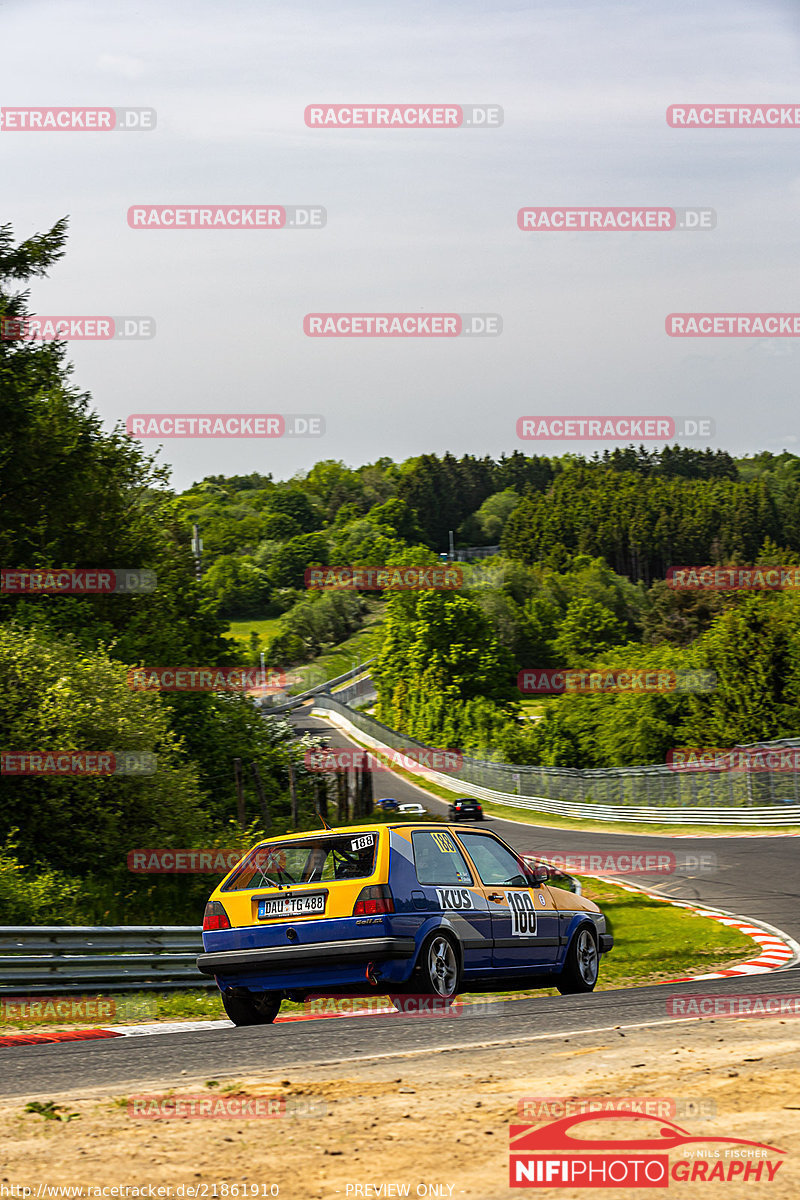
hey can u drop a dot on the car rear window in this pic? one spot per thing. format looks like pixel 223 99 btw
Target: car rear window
pixel 306 860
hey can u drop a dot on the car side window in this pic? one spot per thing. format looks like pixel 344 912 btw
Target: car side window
pixel 494 863
pixel 438 859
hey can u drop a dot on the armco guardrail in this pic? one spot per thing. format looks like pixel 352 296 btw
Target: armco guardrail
pixel 46 959
pixel 318 690
pixel 647 794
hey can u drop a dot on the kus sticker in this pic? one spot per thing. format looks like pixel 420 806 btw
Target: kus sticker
pixel 523 914
pixel 455 897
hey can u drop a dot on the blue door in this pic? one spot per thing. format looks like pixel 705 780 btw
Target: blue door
pixel 448 886
pixel 524 917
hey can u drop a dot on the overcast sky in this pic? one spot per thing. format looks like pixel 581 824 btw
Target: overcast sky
pixel 417 221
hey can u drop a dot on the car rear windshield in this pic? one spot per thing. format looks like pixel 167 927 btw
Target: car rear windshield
pixel 306 860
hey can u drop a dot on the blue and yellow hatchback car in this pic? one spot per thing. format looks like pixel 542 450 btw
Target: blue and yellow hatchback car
pixel 392 908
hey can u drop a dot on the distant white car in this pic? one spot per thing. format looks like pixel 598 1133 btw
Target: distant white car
pixel 411 809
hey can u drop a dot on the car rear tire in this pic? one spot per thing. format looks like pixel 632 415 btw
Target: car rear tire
pixel 260 1008
pixel 582 964
pixel 439 967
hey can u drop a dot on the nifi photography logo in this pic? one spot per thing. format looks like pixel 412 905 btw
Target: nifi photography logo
pixel 623 1149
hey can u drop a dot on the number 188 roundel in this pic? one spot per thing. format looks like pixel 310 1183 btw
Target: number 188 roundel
pixel 392 908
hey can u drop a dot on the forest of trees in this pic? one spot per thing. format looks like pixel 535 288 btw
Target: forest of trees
pixel 585 545
pixel 72 495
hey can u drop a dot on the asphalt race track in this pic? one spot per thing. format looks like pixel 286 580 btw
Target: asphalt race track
pixel 274 1050
pixel 755 877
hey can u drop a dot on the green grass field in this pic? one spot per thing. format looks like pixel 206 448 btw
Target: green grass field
pixel 364 644
pixel 239 632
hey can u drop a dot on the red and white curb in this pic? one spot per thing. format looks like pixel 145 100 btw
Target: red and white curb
pixel 58 1035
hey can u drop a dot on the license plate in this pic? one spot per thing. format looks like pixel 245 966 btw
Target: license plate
pixel 310 904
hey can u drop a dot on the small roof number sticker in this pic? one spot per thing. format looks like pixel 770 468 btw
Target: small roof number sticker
pixel 363 842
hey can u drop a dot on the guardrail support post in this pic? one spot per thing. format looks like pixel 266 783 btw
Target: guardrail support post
pixel 240 810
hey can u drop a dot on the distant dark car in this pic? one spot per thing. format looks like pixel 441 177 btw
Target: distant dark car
pixel 465 810
pixel 388 804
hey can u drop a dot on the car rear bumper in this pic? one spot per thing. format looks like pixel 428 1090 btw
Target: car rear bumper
pixel 606 942
pixel 301 957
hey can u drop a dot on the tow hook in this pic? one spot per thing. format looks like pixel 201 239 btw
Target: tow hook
pixel 370 974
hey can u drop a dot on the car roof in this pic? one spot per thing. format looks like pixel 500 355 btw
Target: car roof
pixel 375 827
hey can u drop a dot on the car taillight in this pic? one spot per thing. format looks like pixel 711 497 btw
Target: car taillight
pixel 215 916
pixel 374 900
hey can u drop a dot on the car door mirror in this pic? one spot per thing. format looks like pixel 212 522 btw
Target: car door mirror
pixel 539 874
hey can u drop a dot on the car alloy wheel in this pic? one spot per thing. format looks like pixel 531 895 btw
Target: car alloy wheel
pixel 586 957
pixel 442 966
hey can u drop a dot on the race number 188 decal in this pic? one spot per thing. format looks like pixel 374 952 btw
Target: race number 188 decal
pixel 361 843
pixel 523 914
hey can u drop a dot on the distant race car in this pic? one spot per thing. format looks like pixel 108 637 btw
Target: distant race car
pixel 465 810
pixel 411 809
pixel 392 908
pixel 388 804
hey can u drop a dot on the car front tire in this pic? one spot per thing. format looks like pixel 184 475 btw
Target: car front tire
pixel 260 1008
pixel 582 964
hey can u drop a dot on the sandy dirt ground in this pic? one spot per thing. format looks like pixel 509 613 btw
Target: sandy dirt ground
pixel 432 1124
